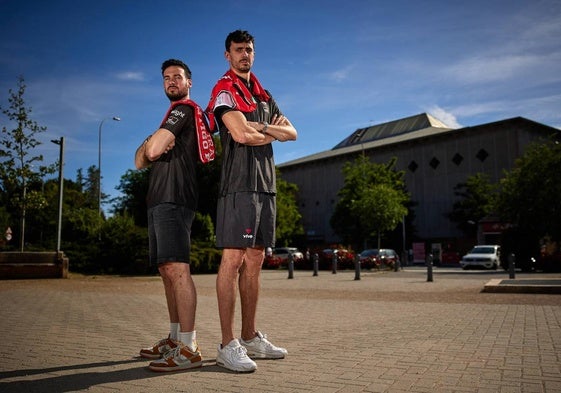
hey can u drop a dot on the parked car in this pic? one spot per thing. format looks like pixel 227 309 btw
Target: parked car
pixel 549 262
pixel 450 258
pixel 486 256
pixel 279 257
pixel 285 252
pixel 345 258
pixel 378 258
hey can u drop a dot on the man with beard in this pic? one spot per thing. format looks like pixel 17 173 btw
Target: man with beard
pixel 249 121
pixel 172 197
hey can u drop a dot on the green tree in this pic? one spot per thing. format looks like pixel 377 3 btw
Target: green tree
pixel 133 187
pixel 529 198
pixel 289 220
pixel 369 187
pixel 379 209
pixel 21 172
pixel 476 199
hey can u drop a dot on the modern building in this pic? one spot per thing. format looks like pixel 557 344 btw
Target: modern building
pixel 435 159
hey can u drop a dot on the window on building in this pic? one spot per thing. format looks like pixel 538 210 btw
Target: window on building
pixel 434 163
pixel 413 166
pixel 457 159
pixel 482 155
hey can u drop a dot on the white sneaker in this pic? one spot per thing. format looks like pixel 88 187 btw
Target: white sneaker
pixel 261 348
pixel 234 357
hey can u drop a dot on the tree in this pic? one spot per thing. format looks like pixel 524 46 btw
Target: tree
pixel 529 197
pixel 372 201
pixel 379 209
pixel 288 220
pixel 133 186
pixel 21 172
pixel 477 196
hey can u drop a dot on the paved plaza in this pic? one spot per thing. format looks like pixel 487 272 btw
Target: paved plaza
pixel 387 332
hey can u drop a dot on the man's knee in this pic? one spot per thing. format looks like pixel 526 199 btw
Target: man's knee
pixel 174 270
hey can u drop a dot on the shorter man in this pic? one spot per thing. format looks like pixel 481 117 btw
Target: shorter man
pixel 172 197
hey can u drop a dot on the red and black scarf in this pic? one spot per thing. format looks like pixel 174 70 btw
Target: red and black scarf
pixel 243 98
pixel 204 137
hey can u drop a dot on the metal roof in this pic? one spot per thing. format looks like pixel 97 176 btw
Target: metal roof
pixel 396 131
pixel 392 129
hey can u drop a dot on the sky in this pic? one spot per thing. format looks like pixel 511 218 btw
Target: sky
pixel 332 66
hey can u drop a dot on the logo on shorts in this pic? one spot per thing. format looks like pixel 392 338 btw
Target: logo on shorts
pixel 247 234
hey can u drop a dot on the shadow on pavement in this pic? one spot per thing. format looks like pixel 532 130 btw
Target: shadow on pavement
pixel 86 380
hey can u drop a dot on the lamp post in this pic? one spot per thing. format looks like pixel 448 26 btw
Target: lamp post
pixel 99 163
pixel 59 142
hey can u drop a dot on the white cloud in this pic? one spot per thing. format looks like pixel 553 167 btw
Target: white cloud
pixel 131 76
pixel 446 117
pixel 340 75
pixel 489 69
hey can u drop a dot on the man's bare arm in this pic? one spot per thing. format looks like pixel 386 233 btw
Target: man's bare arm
pixel 153 147
pixel 255 133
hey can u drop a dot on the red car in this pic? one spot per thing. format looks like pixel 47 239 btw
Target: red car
pixel 378 258
pixel 345 258
pixel 279 257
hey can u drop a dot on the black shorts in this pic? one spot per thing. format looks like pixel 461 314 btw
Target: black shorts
pixel 169 233
pixel 246 220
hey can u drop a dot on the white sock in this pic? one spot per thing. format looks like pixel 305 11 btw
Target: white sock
pixel 174 331
pixel 189 339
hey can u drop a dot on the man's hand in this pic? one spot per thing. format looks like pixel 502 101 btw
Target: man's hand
pixel 279 120
pixel 170 146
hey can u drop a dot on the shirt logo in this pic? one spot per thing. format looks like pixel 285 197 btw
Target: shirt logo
pixel 247 234
pixel 172 120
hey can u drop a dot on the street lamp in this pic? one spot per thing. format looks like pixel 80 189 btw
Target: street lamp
pixel 59 142
pixel 99 163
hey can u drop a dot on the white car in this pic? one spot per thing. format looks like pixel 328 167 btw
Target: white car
pixel 487 256
pixel 285 252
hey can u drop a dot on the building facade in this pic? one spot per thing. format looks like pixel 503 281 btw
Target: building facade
pixel 434 157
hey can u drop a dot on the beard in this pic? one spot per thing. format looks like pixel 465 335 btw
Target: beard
pixel 243 67
pixel 178 95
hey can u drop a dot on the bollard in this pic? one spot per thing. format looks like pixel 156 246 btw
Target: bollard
pixel 397 264
pixel 334 263
pixel 290 266
pixel 316 264
pixel 357 267
pixel 429 268
pixel 511 265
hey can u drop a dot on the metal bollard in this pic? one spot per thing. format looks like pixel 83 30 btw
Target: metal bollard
pixel 334 263
pixel 357 267
pixel 316 264
pixel 511 266
pixel 290 266
pixel 429 268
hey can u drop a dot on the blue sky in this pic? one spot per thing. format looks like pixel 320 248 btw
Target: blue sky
pixel 333 66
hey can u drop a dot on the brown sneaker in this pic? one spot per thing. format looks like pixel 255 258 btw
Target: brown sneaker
pixel 179 358
pixel 159 349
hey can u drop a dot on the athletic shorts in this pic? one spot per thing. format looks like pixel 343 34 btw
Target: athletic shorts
pixel 169 233
pixel 246 220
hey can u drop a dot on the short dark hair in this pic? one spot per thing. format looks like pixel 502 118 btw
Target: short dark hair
pixel 178 63
pixel 238 36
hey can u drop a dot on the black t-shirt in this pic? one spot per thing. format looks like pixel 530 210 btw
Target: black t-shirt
pixel 247 168
pixel 173 176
